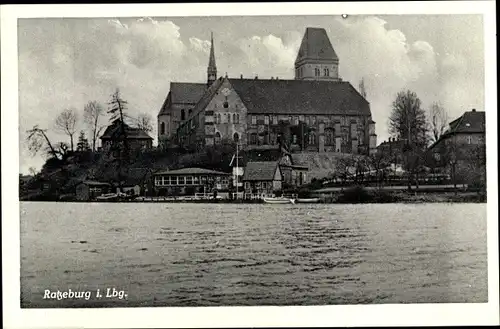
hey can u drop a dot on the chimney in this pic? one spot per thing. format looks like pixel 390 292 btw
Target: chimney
pixel 473 110
pixel 272 78
pixel 241 76
pixel 256 77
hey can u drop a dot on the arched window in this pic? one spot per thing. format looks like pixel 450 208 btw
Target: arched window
pixel 162 128
pixel 234 118
pixel 190 112
pixel 327 72
pixel 183 115
pixel 329 139
pixel 237 118
pixel 316 72
pixel 236 137
pixel 218 138
pixel 217 118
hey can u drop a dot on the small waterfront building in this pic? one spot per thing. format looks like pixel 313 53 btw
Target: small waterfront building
pixel 262 178
pixel 89 190
pixel 188 181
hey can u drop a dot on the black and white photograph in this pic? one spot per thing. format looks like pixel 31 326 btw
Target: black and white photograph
pixel 196 161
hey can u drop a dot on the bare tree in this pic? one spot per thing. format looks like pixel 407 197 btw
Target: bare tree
pixel 66 123
pixel 145 122
pixel 38 140
pixel 438 120
pixel 91 113
pixel 32 171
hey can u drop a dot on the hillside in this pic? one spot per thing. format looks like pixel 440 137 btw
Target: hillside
pixel 320 164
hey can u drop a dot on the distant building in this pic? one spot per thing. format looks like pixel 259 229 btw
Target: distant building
pixel 262 178
pixel 190 181
pixel 462 147
pixel 89 190
pixel 137 139
pixel 392 150
pixel 316 111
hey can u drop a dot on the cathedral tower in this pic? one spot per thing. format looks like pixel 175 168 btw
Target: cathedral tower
pixel 212 68
pixel 316 59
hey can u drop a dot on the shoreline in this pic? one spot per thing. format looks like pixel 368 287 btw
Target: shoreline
pixel 397 197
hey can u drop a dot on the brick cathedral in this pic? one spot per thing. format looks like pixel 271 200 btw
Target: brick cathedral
pixel 315 112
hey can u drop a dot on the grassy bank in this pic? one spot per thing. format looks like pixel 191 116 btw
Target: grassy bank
pixel 359 194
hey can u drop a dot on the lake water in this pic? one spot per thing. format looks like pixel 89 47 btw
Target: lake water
pixel 253 254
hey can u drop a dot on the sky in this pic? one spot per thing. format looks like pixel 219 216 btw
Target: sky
pixel 66 62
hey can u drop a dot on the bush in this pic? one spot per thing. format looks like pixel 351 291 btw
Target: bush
pixel 356 194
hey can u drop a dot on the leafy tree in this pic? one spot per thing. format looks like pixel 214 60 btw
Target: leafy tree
pixel 407 119
pixel 66 124
pixel 408 122
pixel 91 113
pixel 438 121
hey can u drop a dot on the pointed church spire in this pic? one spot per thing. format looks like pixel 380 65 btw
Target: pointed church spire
pixel 316 58
pixel 212 68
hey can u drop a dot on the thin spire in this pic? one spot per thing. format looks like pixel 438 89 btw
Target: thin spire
pixel 212 68
pixel 211 61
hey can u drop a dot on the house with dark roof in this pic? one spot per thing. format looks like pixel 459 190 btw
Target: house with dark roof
pixel 462 146
pixel 316 111
pixel 137 139
pixel 263 178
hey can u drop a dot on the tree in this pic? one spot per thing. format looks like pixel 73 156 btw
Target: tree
pixel 117 109
pixel 32 171
pixel 66 123
pixel 37 138
pixel 378 161
pixel 91 113
pixel 438 121
pixel 407 119
pixel 145 122
pixel 408 122
pixel 83 144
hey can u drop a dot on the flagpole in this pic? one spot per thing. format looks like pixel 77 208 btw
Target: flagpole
pixel 236 198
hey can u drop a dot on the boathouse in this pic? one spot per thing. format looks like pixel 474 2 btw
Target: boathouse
pixel 189 181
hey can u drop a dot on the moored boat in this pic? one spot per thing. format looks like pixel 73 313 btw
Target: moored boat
pixel 279 200
pixel 107 197
pixel 307 200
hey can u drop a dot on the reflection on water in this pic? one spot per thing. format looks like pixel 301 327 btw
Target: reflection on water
pixel 206 254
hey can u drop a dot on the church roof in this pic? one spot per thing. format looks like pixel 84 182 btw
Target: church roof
pixel 300 97
pixel 316 46
pixel 183 93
